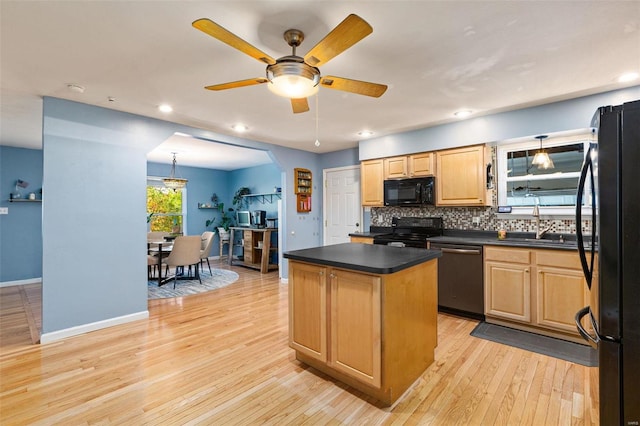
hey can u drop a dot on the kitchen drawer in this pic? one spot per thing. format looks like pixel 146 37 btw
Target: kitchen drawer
pixel 511 255
pixel 557 258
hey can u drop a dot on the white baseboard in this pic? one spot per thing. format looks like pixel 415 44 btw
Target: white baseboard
pixel 21 282
pixel 85 328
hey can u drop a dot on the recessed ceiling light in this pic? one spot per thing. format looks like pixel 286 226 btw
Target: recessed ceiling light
pixel 630 76
pixel 463 113
pixel 365 133
pixel 165 108
pixel 239 127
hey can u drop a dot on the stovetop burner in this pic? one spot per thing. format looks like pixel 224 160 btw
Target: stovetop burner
pixel 411 231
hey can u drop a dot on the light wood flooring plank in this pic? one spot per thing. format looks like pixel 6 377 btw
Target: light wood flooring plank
pixel 222 358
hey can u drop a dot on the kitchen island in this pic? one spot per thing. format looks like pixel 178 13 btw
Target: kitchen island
pixel 365 314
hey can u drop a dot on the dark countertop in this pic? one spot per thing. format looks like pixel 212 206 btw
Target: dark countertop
pixel 514 239
pixel 375 259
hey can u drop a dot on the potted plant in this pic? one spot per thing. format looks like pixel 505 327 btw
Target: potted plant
pixel 226 220
pixel 239 201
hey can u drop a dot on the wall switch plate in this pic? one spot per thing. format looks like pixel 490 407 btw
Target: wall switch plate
pixel 4 210
pixel 476 220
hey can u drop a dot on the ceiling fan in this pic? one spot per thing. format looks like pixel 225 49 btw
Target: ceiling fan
pixel 296 77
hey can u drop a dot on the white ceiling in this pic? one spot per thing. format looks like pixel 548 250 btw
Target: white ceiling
pixel 436 57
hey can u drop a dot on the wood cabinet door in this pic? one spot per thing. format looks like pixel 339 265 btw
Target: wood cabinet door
pixel 560 294
pixel 508 291
pixel 461 177
pixel 396 167
pixel 372 181
pixel 356 326
pixel 421 164
pixel 308 309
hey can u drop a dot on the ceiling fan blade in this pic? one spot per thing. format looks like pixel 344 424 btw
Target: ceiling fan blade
pixel 299 105
pixel 346 34
pixel 354 86
pixel 216 31
pixel 240 83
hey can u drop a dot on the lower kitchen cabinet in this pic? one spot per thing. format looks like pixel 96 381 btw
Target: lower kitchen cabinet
pixel 536 290
pixel 375 333
pixel 354 315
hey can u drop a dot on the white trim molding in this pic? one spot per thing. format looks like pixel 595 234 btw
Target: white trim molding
pixel 86 328
pixel 21 282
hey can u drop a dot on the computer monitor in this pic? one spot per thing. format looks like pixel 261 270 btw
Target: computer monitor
pixel 243 218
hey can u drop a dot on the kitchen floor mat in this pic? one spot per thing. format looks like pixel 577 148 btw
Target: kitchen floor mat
pixel 568 351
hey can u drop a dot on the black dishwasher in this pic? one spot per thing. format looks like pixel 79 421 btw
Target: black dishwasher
pixel 460 279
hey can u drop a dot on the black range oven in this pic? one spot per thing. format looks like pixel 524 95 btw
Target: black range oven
pixel 411 231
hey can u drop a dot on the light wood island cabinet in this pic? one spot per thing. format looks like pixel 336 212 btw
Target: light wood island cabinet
pixel 373 331
pixel 363 240
pixel 461 177
pixel 536 290
pixel 371 182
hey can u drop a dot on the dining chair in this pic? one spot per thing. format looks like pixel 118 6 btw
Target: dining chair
pixel 152 264
pixel 185 252
pixel 205 248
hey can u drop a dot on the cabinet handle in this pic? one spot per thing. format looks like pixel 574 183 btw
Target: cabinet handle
pixel 321 273
pixel 332 275
pixel 526 270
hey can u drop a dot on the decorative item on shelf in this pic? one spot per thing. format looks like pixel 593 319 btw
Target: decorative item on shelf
pixel 172 181
pixel 17 194
pixel 542 159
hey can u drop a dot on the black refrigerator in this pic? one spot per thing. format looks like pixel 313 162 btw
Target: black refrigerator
pixel 611 172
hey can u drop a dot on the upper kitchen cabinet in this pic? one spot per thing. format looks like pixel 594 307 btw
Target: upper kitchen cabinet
pixel 461 177
pixel 372 180
pixel 415 165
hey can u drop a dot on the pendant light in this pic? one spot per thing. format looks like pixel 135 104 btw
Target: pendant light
pixel 173 182
pixel 542 159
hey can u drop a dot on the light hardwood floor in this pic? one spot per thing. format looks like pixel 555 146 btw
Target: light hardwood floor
pixel 221 358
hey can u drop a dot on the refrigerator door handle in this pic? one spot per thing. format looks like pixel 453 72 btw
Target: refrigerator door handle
pixel 587 167
pixel 592 340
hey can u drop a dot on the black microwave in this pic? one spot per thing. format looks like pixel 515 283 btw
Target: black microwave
pixel 410 192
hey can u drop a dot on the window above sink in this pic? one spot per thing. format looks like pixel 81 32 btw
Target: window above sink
pixel 522 185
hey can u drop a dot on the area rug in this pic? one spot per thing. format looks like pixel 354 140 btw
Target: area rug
pixel 219 278
pixel 557 348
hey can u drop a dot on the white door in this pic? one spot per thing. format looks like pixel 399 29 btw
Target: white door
pixel 342 208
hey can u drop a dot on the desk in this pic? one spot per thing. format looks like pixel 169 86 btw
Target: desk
pixel 167 249
pixel 256 243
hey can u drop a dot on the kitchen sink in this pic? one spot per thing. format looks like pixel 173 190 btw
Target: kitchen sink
pixel 542 242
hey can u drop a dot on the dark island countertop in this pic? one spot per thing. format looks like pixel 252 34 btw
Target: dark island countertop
pixel 375 259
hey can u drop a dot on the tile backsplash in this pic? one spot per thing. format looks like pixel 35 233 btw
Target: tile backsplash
pixel 462 218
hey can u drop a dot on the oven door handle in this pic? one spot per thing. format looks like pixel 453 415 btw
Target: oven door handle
pixel 461 251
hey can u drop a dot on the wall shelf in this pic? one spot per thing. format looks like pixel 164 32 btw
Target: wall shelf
pixel 262 198
pixel 207 206
pixel 24 200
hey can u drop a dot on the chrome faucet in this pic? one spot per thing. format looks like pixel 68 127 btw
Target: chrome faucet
pixel 536 214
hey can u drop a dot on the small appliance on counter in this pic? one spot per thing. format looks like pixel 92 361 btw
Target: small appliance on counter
pixel 259 218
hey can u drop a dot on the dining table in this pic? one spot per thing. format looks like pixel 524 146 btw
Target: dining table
pixel 163 247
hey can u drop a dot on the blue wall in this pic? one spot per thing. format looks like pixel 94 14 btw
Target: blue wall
pixel 555 117
pixel 21 229
pixel 94 222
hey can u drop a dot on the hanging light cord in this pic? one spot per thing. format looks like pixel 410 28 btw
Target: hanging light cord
pixel 317 114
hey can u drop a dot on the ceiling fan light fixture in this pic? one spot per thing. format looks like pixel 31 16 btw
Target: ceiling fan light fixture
pixel 293 80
